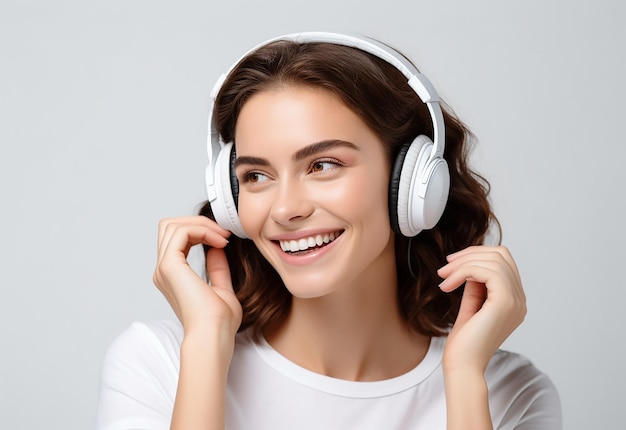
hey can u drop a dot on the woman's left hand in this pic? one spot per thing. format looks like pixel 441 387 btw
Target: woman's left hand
pixel 492 307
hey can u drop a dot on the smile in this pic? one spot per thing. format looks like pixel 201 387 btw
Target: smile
pixel 309 243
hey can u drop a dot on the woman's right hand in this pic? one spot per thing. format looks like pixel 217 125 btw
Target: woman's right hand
pixel 210 314
pixel 198 305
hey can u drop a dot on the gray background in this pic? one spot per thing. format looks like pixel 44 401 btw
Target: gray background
pixel 102 127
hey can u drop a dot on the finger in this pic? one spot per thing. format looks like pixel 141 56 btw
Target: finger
pixel 217 269
pixel 498 287
pixel 196 219
pixel 501 251
pixel 181 237
pixel 474 296
pixel 472 249
pixel 165 226
pixel 482 253
pixel 503 270
pixel 476 270
pixel 168 225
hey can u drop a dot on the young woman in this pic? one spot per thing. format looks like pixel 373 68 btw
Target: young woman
pixel 329 307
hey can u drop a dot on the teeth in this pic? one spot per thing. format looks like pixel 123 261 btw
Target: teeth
pixel 307 242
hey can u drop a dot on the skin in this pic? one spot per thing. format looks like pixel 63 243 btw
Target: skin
pixel 344 321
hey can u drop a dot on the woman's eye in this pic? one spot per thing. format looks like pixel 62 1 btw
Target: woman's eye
pixel 323 165
pixel 254 177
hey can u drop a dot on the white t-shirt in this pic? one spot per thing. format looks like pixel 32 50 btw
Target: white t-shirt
pixel 268 392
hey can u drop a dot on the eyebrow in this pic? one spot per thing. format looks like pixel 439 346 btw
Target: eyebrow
pixel 322 146
pixel 301 154
pixel 257 161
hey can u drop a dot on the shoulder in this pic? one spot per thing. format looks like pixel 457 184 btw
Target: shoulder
pixel 147 341
pixel 166 331
pixel 515 371
pixel 144 350
pixel 519 392
pixel 139 376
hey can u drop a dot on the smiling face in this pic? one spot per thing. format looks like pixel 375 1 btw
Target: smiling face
pixel 313 191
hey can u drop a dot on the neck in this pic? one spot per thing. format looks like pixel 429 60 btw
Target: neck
pixel 356 334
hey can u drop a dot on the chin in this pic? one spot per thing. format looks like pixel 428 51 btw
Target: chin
pixel 311 288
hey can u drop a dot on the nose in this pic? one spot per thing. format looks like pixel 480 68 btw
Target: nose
pixel 292 203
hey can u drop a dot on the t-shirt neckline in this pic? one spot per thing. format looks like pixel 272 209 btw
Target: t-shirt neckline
pixel 354 389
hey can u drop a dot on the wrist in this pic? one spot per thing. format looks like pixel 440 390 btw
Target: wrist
pixel 467 399
pixel 210 342
pixel 464 377
pixel 464 363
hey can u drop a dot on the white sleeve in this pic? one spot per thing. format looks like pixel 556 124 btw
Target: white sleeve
pixel 139 378
pixel 522 397
pixel 544 411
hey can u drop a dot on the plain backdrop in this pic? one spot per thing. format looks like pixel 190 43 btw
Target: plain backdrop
pixel 103 110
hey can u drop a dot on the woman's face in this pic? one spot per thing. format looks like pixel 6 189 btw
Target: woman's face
pixel 313 190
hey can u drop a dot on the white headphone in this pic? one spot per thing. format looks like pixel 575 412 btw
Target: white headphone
pixel 420 180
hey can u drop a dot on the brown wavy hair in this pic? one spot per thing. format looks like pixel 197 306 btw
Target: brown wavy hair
pixel 380 95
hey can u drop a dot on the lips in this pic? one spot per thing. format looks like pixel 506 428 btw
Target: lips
pixel 308 243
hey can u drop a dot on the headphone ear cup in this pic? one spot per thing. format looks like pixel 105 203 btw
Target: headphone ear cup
pixel 394 186
pixel 405 176
pixel 418 189
pixel 432 194
pixel 224 206
pixel 234 182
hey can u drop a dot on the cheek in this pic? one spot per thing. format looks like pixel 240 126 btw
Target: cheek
pixel 363 203
pixel 252 212
pixel 368 196
pixel 370 204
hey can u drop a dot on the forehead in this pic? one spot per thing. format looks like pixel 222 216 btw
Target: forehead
pixel 286 118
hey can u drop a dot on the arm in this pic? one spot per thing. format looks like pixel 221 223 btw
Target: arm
pixel 200 397
pixel 493 305
pixel 210 316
